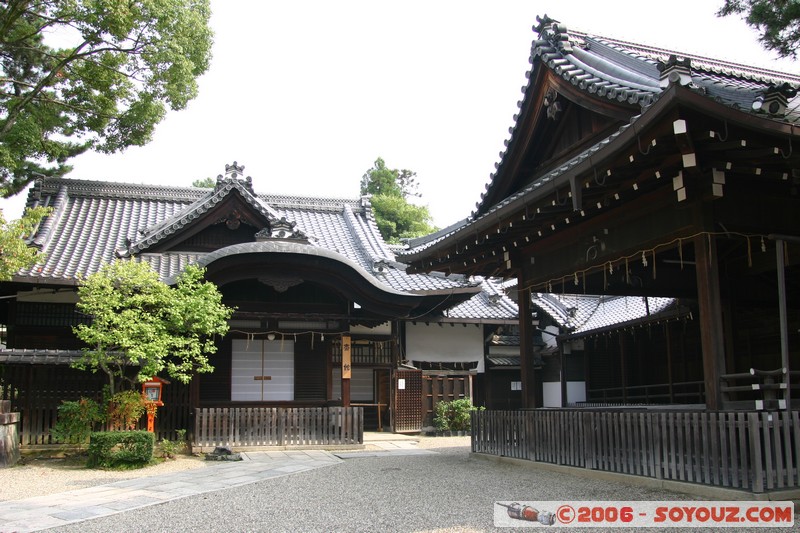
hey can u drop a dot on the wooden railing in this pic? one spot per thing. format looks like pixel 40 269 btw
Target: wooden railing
pixel 276 426
pixel 754 451
pixel 757 389
pixel 656 393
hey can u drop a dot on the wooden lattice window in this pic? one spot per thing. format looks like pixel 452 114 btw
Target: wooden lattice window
pixel 43 314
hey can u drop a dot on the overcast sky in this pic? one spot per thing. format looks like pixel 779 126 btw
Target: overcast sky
pixel 306 94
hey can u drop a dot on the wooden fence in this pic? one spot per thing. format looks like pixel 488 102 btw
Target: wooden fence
pixel 754 451
pixel 265 426
pixel 437 389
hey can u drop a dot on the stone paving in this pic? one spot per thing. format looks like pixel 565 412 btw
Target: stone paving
pixel 43 512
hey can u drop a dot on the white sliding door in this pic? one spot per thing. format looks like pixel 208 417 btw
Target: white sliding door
pixel 362 384
pixel 262 370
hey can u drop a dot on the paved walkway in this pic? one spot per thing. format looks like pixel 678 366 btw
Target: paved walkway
pixel 43 512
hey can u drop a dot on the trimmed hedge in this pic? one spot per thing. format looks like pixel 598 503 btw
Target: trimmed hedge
pixel 114 449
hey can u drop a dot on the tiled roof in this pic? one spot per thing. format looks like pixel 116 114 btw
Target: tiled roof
pixel 630 73
pixel 505 360
pixel 637 74
pixel 39 357
pixel 582 314
pixel 490 304
pixel 95 222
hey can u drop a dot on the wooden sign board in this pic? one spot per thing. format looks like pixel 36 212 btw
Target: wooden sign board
pixel 346 359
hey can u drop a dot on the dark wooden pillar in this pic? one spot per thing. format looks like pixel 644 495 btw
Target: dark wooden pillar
pixel 623 364
pixel 712 337
pixel 563 357
pixel 670 379
pixel 531 393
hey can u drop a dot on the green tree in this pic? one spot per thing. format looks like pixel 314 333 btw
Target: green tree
pixel 205 183
pixel 15 253
pixel 390 190
pixel 139 321
pixel 778 22
pixel 125 63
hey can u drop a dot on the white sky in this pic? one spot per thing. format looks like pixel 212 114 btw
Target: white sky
pixel 307 94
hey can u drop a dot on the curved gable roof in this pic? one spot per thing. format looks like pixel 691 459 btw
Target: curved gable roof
pixel 172 225
pixel 93 221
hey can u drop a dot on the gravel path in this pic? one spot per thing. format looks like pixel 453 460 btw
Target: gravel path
pixel 444 492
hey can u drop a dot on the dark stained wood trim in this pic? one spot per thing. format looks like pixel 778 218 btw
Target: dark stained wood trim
pixel 711 326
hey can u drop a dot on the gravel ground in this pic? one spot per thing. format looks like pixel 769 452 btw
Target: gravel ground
pixel 442 493
pixel 446 492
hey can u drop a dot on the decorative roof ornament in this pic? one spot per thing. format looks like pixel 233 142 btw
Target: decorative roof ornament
pixel 775 99
pixel 555 32
pixel 234 172
pixel 281 229
pixel 675 70
pixel 380 266
pixel 552 104
pixel 280 283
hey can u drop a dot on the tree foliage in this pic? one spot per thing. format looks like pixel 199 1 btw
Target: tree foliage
pixel 390 190
pixel 778 22
pixel 205 183
pixel 15 252
pixel 124 64
pixel 139 321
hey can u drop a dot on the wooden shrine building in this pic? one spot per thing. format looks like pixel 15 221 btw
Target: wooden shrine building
pixel 636 171
pixel 303 274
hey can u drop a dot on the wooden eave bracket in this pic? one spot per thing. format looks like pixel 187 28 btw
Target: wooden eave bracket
pixel 577 193
pixel 684 142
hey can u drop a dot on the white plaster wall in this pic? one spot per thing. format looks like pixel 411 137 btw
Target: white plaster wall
pixel 551 393
pixel 445 343
pixel 576 391
pixel 382 329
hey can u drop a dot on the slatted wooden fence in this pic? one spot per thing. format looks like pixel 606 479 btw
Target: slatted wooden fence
pixel 37 391
pixel 437 389
pixel 265 426
pixel 754 451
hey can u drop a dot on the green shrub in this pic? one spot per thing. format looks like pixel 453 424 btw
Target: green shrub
pixel 120 449
pixel 454 415
pixel 125 409
pixel 76 420
pixel 170 448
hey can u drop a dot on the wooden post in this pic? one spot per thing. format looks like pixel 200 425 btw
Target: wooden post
pixel 9 435
pixel 623 375
pixel 780 264
pixel 563 361
pixel 669 362
pixel 530 388
pixel 711 326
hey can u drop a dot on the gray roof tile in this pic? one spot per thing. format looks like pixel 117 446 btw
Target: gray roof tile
pixel 93 221
pixel 625 72
pixel 39 357
pixel 581 314
pixel 490 304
